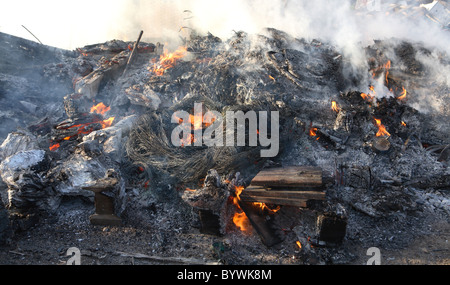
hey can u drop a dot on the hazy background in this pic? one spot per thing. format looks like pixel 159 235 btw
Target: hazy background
pixel 71 24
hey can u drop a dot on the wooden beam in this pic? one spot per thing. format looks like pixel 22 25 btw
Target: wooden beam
pixel 291 176
pixel 258 191
pixel 302 203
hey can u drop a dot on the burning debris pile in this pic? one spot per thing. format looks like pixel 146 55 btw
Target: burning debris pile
pixel 379 153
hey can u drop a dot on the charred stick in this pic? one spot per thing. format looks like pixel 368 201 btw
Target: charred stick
pixel 133 52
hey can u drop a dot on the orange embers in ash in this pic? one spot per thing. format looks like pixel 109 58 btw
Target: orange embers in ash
pixel 54 147
pixel 382 132
pixel 168 60
pixel 299 244
pixel 370 95
pixel 197 122
pixel 86 128
pixel 313 132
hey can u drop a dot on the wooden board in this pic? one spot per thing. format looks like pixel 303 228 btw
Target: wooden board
pixel 291 176
pixel 259 191
pixel 277 201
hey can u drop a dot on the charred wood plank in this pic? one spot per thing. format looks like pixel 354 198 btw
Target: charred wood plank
pixel 292 176
pixel 302 203
pixel 280 197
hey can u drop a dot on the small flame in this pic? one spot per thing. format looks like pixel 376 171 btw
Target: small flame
pixel 168 60
pixel 107 123
pixel 370 96
pixel 263 206
pixel 403 124
pixel 240 219
pixel 402 95
pixel 387 66
pixel 381 129
pixel 299 244
pixel 100 108
pixel 271 77
pixel 334 106
pixel 313 132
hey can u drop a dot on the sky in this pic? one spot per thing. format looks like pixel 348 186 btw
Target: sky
pixel 64 24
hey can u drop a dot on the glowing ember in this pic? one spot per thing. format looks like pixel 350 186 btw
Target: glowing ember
pixel 100 108
pixel 87 128
pixel 313 132
pixel 381 129
pixel 54 147
pixel 403 124
pixel 334 106
pixel 168 60
pixel 299 244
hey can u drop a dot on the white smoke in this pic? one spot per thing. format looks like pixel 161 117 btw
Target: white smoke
pixel 71 24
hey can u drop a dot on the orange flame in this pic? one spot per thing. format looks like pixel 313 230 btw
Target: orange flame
pixel 369 96
pixel 402 95
pixel 334 106
pixel 381 129
pixel 403 124
pixel 100 108
pixel 387 66
pixel 264 206
pixel 313 132
pixel 168 60
pixel 107 123
pixel 240 219
pixel 299 244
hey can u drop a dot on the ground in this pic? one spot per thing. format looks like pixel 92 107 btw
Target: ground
pixel 48 242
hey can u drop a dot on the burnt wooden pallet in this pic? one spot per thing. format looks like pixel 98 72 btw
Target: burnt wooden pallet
pixel 285 186
pixel 288 197
pixel 291 186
